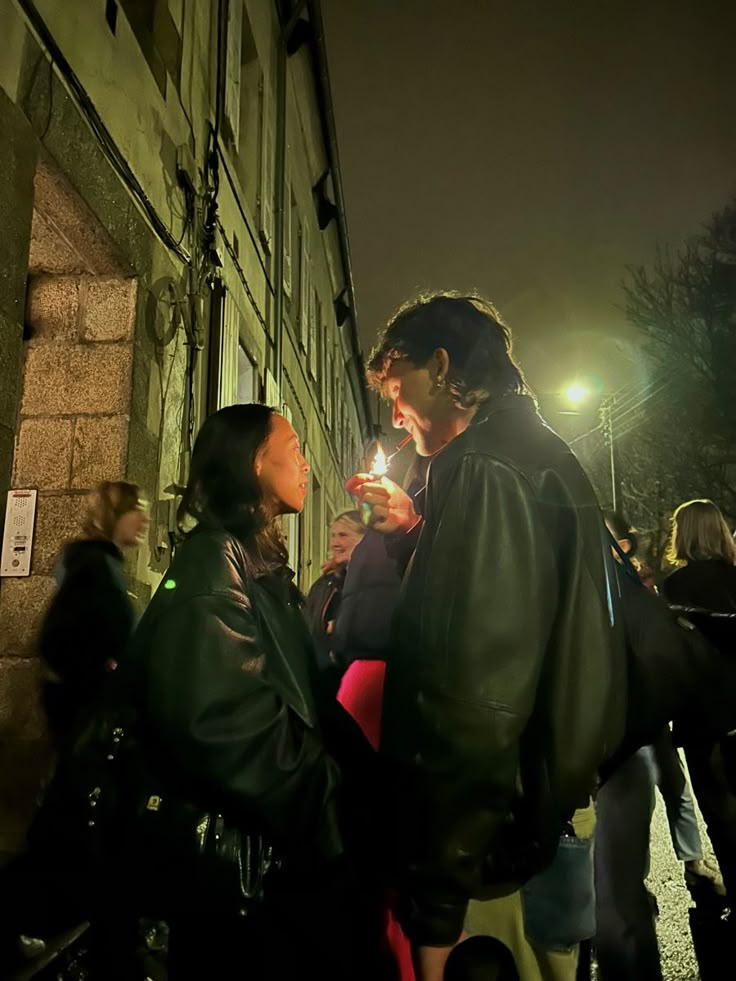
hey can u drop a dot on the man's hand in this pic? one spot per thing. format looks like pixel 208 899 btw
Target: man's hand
pixel 388 507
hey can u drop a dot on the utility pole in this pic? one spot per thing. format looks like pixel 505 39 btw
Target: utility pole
pixel 607 408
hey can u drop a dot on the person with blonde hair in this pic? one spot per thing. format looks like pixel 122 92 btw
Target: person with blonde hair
pixel 704 553
pixel 323 600
pixel 703 550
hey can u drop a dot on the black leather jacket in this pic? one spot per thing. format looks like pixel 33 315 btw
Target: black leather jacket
pixel 222 669
pixel 506 684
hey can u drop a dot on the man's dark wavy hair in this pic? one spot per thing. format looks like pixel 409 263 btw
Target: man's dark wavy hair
pixel 469 328
pixel 223 489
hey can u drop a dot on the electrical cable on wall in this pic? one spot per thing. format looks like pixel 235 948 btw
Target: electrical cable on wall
pixel 104 137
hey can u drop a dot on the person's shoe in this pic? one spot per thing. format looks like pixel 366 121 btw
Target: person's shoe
pixel 705 883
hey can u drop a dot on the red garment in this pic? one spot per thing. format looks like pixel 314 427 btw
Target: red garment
pixel 361 694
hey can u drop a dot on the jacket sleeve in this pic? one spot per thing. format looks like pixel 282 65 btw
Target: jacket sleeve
pixel 469 642
pixel 223 722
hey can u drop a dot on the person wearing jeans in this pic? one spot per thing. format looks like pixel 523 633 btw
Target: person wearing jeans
pixel 544 922
pixel 669 777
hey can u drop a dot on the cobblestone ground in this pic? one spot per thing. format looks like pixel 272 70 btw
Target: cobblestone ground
pixel 667 883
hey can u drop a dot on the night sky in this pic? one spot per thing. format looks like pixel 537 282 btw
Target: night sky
pixel 531 151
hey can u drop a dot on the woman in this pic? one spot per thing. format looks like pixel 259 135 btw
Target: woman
pixel 626 940
pixel 224 683
pixel 83 636
pixel 323 601
pixel 702 549
pixel 90 619
pixel 666 766
pixel 704 553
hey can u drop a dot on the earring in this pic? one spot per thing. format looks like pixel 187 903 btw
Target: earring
pixel 439 384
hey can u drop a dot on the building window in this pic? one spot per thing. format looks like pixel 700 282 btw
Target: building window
pixel 243 103
pixel 247 377
pixel 157 36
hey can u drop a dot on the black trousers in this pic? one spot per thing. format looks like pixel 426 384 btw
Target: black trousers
pixel 626 939
pixel 328 927
pixel 711 771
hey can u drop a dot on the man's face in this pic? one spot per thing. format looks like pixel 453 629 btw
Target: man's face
pixel 419 406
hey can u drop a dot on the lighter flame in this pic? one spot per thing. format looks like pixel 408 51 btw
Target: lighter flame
pixel 380 464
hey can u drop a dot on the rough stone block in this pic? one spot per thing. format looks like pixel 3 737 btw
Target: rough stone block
pixel 60 208
pixel 7 446
pixel 58 519
pixel 22 604
pixel 25 765
pixel 11 369
pixel 44 453
pixel 53 307
pixel 109 313
pixel 61 379
pixel 21 713
pixel 99 450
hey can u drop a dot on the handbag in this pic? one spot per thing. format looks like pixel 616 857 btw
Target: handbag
pixel 123 827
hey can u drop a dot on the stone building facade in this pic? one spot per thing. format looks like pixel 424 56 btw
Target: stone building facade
pixel 173 240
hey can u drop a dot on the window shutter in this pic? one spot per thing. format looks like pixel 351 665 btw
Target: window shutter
pixel 267 171
pixel 330 393
pixel 231 100
pixel 313 334
pixel 287 227
pixel 305 289
pixel 227 387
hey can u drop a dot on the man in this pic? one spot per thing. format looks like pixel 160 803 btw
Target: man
pixel 505 684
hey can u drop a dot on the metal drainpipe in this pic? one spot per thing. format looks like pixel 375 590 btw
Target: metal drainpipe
pixel 280 166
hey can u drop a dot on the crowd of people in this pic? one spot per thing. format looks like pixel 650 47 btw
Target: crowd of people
pixel 442 763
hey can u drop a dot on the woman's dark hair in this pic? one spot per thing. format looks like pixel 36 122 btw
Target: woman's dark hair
pixel 622 530
pixel 471 331
pixel 223 488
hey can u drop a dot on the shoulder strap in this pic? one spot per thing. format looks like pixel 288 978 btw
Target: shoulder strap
pixel 625 559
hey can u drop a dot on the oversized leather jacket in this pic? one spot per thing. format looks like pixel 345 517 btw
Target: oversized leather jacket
pixel 505 687
pixel 222 669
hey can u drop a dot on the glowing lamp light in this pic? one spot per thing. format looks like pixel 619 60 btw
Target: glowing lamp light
pixel 576 393
pixel 170 584
pixel 380 463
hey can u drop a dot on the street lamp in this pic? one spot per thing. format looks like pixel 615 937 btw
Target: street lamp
pixel 576 394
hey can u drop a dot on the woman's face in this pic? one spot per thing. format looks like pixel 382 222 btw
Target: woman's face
pixel 281 469
pixel 131 527
pixel 343 539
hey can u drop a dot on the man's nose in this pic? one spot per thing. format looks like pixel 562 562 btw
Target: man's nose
pixel 397 417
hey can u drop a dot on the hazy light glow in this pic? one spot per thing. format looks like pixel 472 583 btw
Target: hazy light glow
pixel 576 393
